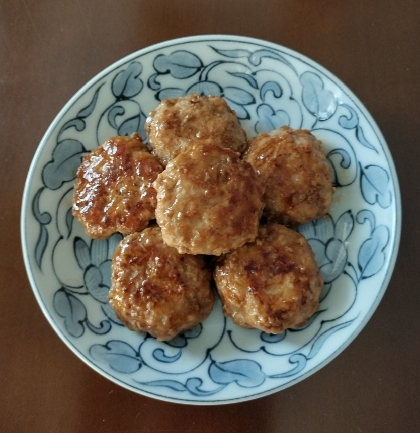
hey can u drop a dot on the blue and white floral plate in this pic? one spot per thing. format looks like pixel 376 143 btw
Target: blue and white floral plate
pixel 355 245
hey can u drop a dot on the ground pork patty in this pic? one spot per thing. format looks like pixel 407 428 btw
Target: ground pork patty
pixel 157 290
pixel 176 122
pixel 113 190
pixel 209 201
pixel 271 284
pixel 296 174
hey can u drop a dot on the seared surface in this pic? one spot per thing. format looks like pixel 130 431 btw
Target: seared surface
pixel 271 284
pixel 209 201
pixel 113 190
pixel 157 290
pixel 296 174
pixel 176 123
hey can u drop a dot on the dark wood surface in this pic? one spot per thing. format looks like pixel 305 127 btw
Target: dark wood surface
pixel 48 50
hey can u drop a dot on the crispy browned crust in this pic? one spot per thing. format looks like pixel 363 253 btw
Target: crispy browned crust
pixel 209 201
pixel 113 190
pixel 271 284
pixel 296 174
pixel 157 290
pixel 176 122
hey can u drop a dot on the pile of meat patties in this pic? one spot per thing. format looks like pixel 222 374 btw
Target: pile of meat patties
pixel 203 209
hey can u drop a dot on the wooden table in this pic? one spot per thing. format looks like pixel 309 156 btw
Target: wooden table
pixel 48 50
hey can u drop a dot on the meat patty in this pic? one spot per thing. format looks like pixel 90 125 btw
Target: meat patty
pixel 113 191
pixel 157 290
pixel 296 174
pixel 209 201
pixel 271 284
pixel 176 122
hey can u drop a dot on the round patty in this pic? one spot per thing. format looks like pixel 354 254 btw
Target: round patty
pixel 296 174
pixel 157 290
pixel 271 284
pixel 176 122
pixel 113 191
pixel 209 201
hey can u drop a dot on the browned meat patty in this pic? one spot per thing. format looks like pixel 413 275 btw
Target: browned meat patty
pixel 271 284
pixel 177 122
pixel 157 290
pixel 113 191
pixel 209 201
pixel 296 174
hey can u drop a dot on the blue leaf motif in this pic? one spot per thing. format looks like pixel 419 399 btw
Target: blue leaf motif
pixel 193 332
pixel 366 215
pixel 180 64
pixel 345 163
pixel 247 77
pixel 113 242
pixel 205 88
pixel 300 360
pixel 375 186
pixel 79 124
pixel 244 372
pixel 193 385
pixel 318 247
pixel 43 218
pixel 170 92
pixel 273 338
pixel 344 226
pixel 234 54
pixel 349 122
pixel 353 122
pixel 171 384
pixel 104 327
pixel 41 245
pixel 131 125
pixel 238 96
pixel 153 83
pixel 69 221
pixel 126 117
pixel 256 58
pixel 270 119
pixel 336 252
pixel 321 339
pixel 82 253
pixel 127 83
pixel 88 110
pixel 65 161
pixel 105 268
pixel 371 254
pixel 72 311
pixel 362 139
pixel 114 112
pixel 118 355
pixel 181 340
pixel 161 356
pixel 273 87
pixel 99 251
pixel 319 102
pixel 94 285
pixel 239 110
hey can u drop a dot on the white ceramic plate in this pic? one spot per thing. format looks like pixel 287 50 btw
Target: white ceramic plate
pixel 355 245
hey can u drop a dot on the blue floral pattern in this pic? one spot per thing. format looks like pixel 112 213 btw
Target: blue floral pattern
pixel 355 245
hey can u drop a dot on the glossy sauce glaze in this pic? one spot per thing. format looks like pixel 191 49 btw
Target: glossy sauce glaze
pixel 157 290
pixel 114 190
pixel 271 284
